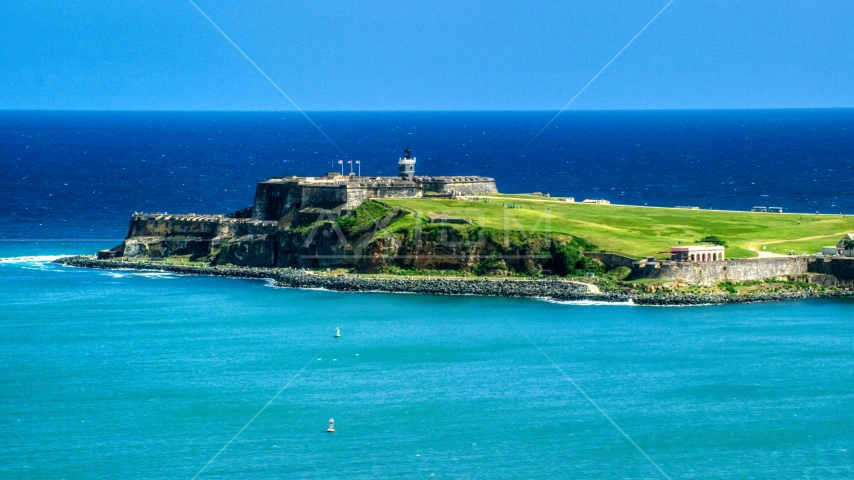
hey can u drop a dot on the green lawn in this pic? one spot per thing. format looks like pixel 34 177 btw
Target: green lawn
pixel 639 231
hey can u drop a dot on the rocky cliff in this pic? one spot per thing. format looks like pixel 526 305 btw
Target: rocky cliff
pixel 372 238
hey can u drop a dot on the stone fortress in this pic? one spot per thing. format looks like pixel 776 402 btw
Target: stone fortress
pixel 280 199
pixel 280 203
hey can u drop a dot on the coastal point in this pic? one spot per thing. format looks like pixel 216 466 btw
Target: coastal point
pixel 431 227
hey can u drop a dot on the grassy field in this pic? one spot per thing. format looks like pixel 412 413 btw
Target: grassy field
pixel 639 231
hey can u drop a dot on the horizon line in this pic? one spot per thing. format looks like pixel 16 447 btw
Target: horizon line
pixel 116 110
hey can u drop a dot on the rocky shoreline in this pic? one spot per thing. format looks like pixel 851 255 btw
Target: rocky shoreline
pixel 558 290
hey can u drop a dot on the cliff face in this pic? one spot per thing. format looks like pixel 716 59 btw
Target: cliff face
pixel 199 236
pixel 161 247
pixel 247 251
pixel 319 246
pixel 331 243
pixel 372 238
pixel 471 248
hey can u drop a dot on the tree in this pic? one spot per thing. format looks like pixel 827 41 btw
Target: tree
pixel 713 239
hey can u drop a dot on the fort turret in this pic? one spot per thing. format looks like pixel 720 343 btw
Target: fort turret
pixel 406 166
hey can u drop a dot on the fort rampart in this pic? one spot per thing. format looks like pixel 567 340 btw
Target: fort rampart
pixel 359 194
pixel 458 185
pixel 713 273
pixel 162 235
pixel 841 269
pixel 279 199
pixel 276 198
pixel 208 226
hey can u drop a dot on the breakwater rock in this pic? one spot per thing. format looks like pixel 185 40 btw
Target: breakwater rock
pixel 688 299
pixel 552 289
pixel 297 278
pixel 560 290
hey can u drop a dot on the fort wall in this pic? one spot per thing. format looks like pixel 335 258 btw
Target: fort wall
pixel 459 185
pixel 323 195
pixel 278 199
pixel 840 268
pixel 174 225
pixel 359 194
pixel 712 273
pixel 611 260
pixel 275 198
pixel 205 226
pixel 165 235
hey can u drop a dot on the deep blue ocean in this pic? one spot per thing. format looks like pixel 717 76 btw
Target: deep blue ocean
pixel 107 374
pixel 80 175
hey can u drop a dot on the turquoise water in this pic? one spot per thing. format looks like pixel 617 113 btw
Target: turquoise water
pixel 144 375
pixel 147 375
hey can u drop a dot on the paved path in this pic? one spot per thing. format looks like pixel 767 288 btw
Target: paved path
pixel 761 254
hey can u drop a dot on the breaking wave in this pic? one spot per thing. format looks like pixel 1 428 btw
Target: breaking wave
pixel 31 259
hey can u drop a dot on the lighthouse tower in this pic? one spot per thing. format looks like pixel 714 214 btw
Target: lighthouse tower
pixel 406 166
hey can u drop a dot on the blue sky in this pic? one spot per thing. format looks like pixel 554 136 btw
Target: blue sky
pixel 425 55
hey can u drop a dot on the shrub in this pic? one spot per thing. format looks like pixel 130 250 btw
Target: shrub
pixel 564 258
pixel 493 262
pixel 364 218
pixel 589 265
pixel 712 239
pixel 621 273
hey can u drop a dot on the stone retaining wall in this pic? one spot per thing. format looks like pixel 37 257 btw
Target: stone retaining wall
pixel 612 260
pixel 713 273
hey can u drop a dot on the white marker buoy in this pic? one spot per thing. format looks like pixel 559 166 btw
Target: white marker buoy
pixel 337 332
pixel 331 428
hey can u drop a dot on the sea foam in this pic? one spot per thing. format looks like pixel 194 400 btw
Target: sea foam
pixel 628 303
pixel 32 259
